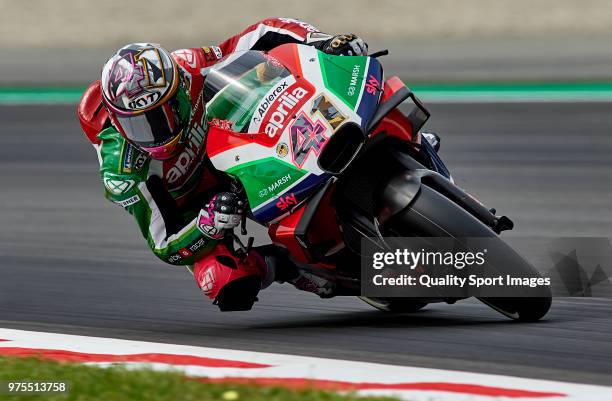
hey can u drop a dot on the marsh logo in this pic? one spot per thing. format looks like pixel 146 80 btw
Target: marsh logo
pixel 281 182
pixel 353 83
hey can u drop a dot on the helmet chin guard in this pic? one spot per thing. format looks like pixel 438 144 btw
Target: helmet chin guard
pixel 166 151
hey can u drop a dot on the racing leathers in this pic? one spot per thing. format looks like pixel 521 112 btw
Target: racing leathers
pixel 166 197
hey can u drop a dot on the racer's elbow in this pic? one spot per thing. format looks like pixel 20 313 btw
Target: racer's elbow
pixel 167 255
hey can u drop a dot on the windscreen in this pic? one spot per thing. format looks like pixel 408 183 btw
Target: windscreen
pixel 235 87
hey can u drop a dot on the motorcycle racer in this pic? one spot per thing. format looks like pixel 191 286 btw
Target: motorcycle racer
pixel 146 120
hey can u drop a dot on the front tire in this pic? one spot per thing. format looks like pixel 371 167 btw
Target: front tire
pixel 431 214
pixel 520 309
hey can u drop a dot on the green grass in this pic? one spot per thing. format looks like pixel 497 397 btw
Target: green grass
pixel 120 384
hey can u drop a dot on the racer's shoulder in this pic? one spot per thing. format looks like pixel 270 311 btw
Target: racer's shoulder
pixel 92 115
pixel 195 58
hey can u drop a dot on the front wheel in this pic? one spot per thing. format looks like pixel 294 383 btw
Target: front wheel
pixel 431 214
pixel 520 309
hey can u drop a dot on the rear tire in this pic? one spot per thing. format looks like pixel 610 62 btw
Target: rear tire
pixel 395 305
pixel 520 309
pixel 431 214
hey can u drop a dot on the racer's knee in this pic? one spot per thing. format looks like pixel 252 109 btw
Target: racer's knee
pixel 232 284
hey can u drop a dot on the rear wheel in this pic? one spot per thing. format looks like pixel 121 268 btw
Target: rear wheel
pixel 399 305
pixel 521 309
pixel 431 214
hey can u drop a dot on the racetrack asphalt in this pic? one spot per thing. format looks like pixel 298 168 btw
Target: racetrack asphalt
pixel 72 262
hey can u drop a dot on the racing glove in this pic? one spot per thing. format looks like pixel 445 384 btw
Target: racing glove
pixel 223 212
pixel 340 45
pixel 433 139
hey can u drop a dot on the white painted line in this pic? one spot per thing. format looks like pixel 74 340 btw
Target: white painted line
pixel 409 383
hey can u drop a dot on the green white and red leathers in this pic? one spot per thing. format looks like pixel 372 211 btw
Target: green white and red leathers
pixel 165 196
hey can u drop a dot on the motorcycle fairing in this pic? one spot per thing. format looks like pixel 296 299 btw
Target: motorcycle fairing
pixel 275 155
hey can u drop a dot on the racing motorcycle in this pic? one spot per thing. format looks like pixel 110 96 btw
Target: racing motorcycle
pixel 327 153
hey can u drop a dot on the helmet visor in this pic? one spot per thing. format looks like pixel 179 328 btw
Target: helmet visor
pixel 158 126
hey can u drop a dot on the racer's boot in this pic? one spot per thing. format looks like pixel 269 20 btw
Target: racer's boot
pixel 283 269
pixel 315 284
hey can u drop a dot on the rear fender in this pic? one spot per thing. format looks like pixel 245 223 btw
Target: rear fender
pixel 404 187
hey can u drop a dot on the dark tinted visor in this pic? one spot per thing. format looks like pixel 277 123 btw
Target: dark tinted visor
pixel 158 126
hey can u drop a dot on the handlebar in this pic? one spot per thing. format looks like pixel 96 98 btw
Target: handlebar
pixel 230 237
pixel 380 53
pixel 242 250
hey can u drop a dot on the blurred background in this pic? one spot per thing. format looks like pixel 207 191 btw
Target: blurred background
pixel 66 42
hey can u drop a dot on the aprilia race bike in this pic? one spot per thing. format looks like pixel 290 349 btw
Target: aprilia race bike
pixel 327 153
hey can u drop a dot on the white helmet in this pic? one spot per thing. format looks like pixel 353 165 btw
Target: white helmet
pixel 143 92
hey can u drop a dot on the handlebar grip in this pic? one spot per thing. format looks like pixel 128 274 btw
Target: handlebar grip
pixel 380 53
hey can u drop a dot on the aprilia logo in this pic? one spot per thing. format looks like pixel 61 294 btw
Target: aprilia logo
pixel 192 152
pixel 282 107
